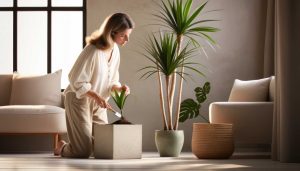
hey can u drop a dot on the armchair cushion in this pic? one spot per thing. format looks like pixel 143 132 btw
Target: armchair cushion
pixel 250 91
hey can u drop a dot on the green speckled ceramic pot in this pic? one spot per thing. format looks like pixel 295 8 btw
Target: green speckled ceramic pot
pixel 169 143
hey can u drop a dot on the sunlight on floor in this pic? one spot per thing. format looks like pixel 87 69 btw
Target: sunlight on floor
pixel 150 161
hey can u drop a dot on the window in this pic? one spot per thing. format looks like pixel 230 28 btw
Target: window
pixel 41 36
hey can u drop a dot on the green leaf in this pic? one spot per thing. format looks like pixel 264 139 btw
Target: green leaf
pixel 206 87
pixel 119 98
pixel 189 109
pixel 201 92
pixel 200 95
pixel 177 16
pixel 161 52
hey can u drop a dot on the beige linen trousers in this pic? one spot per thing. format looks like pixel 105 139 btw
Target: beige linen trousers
pixel 81 114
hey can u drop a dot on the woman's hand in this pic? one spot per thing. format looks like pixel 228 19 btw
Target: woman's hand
pixel 123 87
pixel 126 89
pixel 99 100
pixel 102 103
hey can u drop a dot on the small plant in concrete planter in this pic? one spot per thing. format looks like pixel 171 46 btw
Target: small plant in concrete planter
pixel 123 140
pixel 120 99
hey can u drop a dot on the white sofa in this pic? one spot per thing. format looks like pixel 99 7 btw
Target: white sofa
pixel 32 105
pixel 250 110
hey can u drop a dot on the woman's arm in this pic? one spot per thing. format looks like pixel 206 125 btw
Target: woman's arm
pixel 99 100
pixel 81 72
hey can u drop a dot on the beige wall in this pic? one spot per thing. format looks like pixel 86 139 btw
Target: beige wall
pixel 240 55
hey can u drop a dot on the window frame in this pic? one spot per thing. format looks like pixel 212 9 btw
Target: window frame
pixel 15 9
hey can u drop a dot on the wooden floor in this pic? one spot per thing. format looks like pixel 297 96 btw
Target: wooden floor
pixel 150 161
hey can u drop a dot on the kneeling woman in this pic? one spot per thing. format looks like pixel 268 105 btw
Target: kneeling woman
pixel 94 75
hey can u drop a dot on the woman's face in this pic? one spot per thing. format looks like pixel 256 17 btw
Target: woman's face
pixel 121 38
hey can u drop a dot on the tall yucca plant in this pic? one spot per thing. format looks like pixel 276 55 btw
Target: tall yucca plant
pixel 162 53
pixel 178 17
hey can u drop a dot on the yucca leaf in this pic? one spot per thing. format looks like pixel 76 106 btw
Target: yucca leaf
pixel 204 29
pixel 195 14
pixel 187 8
pixel 201 21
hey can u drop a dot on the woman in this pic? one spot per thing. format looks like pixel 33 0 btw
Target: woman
pixel 92 78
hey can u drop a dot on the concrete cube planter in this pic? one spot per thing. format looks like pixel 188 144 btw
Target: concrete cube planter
pixel 118 141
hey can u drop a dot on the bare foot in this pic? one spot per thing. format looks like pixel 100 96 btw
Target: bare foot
pixel 59 147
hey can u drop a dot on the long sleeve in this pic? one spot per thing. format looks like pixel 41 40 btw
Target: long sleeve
pixel 115 75
pixel 81 73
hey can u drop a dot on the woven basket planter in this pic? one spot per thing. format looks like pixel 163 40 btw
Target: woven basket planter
pixel 212 141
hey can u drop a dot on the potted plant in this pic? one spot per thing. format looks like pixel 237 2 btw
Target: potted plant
pixel 209 141
pixel 119 140
pixel 119 99
pixel 170 56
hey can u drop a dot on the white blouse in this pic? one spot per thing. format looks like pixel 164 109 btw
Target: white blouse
pixel 92 71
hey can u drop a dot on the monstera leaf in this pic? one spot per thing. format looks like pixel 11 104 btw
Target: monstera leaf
pixel 201 92
pixel 189 108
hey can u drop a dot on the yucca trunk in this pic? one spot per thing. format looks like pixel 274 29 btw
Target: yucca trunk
pixel 172 90
pixel 179 41
pixel 162 105
pixel 170 124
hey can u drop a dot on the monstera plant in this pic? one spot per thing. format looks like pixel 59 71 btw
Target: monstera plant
pixel 190 108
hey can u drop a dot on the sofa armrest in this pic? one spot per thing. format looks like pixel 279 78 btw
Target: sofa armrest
pixel 62 100
pixel 252 121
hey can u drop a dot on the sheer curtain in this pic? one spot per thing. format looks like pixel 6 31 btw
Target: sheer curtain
pixel 282 45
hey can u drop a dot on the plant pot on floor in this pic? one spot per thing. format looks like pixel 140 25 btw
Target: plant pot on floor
pixel 169 143
pixel 118 141
pixel 212 141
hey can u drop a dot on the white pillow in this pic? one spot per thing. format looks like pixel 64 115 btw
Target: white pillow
pixel 250 91
pixel 36 90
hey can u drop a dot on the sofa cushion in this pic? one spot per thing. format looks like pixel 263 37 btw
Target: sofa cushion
pixel 5 84
pixel 250 91
pixel 36 90
pixel 32 119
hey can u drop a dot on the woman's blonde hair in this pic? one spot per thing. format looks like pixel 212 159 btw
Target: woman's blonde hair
pixel 103 38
